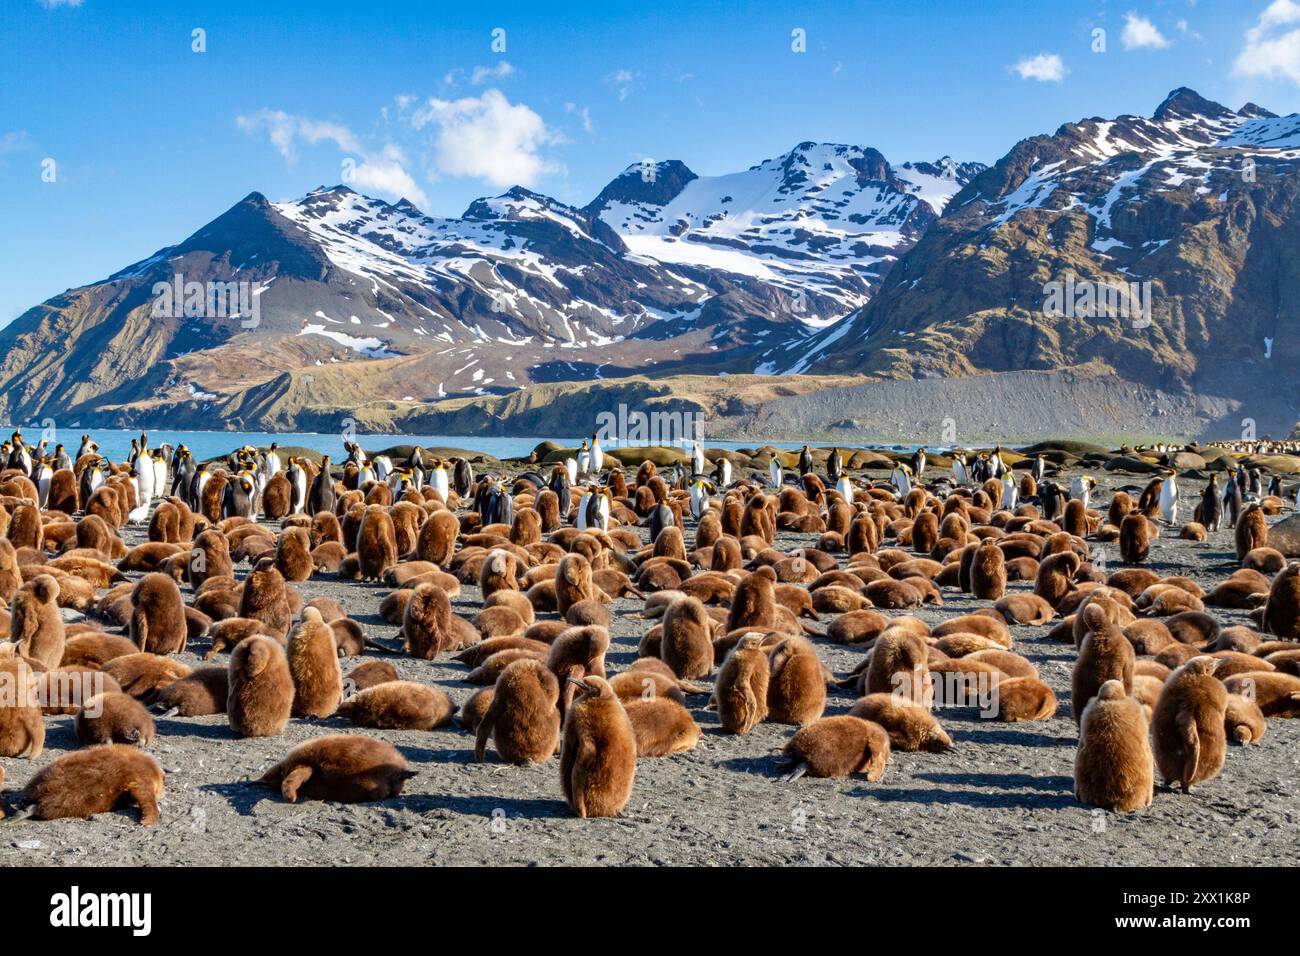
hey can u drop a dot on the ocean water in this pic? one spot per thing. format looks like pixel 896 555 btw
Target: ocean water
pixel 116 443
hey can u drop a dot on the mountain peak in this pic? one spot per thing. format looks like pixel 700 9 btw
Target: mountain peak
pixel 1255 111
pixel 1187 102
pixel 657 183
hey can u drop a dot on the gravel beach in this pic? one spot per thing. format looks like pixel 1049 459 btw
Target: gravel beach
pixel 1002 796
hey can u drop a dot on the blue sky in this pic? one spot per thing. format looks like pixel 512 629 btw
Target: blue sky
pixel 150 139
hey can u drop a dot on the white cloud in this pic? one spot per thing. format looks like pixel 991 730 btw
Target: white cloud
pixel 286 131
pixel 1140 33
pixel 385 172
pixel 51 4
pixel 624 82
pixel 481 74
pixel 1270 52
pixel 382 172
pixel 1044 67
pixel 14 140
pixel 583 113
pixel 487 137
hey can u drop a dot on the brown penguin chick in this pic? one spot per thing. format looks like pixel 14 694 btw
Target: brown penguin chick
pixel 1286 661
pixel 25 527
pixel 157 624
pixel 314 664
pixel 1176 655
pixel 328 556
pixel 1024 698
pixel 1008 662
pixel 498 621
pixel 1113 767
pixel 202 692
pixel 753 604
pixel 393 607
pixel 398 705
pixel 1251 531
pixel 144 675
pixel 796 688
pixel 1281 616
pixel 518 602
pixel 225 635
pixel 1148 636
pixel 899 665
pixel 478 653
pixel 909 726
pixel 35 623
pixel 11 578
pixel 114 718
pixel 498 573
pixel 598 755
pixel 209 557
pixel 277 497
pixel 369 674
pixel 340 768
pixel 1187 726
pixel 1055 576
pixel 376 543
pixel 264 597
pixel 1134 538
pixel 1105 654
pixel 1264 560
pixel 741 689
pixel 349 637
pixel 988 573
pixel 577 652
pixel 1024 609
pixel 662 726
pixel 896 595
pixel 686 643
pixel 473 711
pixel 490 669
pixel 426 623
pixel 436 541
pixel 261 688
pixel 99 574
pixel 633 685
pixel 522 716
pixel 1243 721
pixel 96 780
pixel 64 690
pixel 330 609
pixel 1237 594
pixel 857 627
pixel 293 556
pixel 148 557
pixel 1276 693
pixel 986 623
pixel 837 599
pixel 587 612
pixel 963 645
pixel 22 728
pixel 572 582
pixel 838 747
pixel 95 649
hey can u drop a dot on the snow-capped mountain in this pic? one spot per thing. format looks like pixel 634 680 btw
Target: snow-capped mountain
pixel 358 298
pixel 1193 210
pixel 823 217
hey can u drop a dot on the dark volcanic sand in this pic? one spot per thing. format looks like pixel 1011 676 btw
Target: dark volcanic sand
pixel 1003 795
